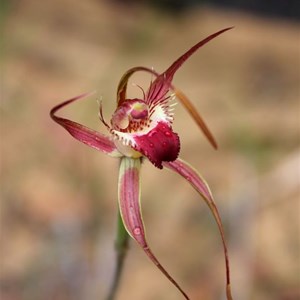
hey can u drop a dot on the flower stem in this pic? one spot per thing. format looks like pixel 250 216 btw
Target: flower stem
pixel 121 247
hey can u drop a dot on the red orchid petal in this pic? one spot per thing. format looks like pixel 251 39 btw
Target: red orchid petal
pixel 162 83
pixel 199 184
pixel 129 204
pixel 84 134
pixel 158 145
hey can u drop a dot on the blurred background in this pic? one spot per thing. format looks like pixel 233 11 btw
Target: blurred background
pixel 58 197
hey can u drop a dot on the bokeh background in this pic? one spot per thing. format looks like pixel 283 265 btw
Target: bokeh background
pixel 58 197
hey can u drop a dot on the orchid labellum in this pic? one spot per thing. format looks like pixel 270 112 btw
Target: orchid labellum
pixel 143 128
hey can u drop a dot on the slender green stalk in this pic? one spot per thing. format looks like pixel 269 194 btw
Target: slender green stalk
pixel 121 246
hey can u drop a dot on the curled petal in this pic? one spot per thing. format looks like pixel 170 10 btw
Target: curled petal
pixel 122 87
pixel 199 184
pixel 82 133
pixel 129 204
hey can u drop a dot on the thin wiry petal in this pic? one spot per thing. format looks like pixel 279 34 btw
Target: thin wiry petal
pixel 82 133
pixel 162 83
pixel 130 209
pixel 196 116
pixel 187 172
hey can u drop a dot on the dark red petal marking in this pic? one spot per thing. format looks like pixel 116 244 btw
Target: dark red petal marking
pixel 81 133
pixel 130 209
pixel 158 145
pixel 161 85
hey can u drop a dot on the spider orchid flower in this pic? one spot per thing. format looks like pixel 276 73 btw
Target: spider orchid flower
pixel 143 128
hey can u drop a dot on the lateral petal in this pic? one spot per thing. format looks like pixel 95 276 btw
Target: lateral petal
pixel 200 185
pixel 82 133
pixel 189 106
pixel 130 209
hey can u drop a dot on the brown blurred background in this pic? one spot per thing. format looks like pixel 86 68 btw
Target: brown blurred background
pixel 58 197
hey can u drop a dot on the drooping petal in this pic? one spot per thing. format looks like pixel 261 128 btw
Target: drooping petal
pixel 82 133
pixel 199 184
pixel 161 85
pixel 130 209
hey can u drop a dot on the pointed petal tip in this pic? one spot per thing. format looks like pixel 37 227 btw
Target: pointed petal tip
pixel 228 292
pixel 229 28
pixel 215 145
pixel 67 102
pixel 82 133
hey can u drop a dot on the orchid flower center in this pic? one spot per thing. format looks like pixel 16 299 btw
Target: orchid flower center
pixel 143 128
pixel 131 116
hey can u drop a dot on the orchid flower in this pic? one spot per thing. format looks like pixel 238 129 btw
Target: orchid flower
pixel 142 128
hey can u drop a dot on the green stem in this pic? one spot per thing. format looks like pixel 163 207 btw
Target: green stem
pixel 121 246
